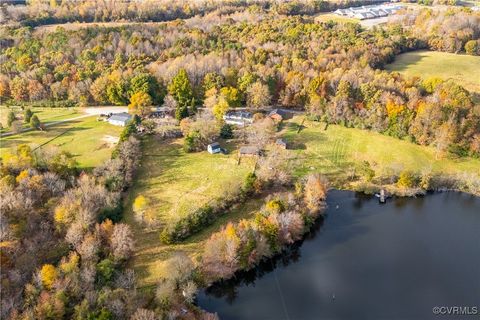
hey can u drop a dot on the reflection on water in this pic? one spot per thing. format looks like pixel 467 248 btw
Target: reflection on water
pixel 365 261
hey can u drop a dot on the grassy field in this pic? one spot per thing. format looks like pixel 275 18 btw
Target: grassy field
pixel 464 69
pixel 86 139
pixel 45 115
pixel 176 182
pixel 335 151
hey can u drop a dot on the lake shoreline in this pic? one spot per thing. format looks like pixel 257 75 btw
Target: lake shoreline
pixel 289 251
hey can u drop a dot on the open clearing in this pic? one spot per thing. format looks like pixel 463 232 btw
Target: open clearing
pixel 176 182
pixel 87 139
pixel 464 69
pixel 46 115
pixel 335 151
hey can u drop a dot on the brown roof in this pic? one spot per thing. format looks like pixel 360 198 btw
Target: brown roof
pixel 249 150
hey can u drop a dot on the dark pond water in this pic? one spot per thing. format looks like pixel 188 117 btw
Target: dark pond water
pixel 367 261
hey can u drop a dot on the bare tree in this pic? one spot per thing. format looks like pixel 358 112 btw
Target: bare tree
pixel 122 241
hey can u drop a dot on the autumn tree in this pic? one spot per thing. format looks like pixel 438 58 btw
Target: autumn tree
pixel 122 241
pixel 258 95
pixel 315 192
pixel 140 104
pixel 48 275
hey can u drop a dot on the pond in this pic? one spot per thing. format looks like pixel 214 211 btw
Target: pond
pixel 366 261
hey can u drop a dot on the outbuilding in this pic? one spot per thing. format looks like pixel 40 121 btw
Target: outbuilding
pixel 214 148
pixel 278 115
pixel 119 119
pixel 249 151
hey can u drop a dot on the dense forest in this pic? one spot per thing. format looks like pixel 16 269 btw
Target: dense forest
pixel 42 12
pixel 256 59
pixel 64 251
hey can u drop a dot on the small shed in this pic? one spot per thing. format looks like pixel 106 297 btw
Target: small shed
pixel 119 119
pixel 281 143
pixel 249 151
pixel 214 148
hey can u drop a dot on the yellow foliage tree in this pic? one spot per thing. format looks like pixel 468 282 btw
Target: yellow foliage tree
pixel 139 207
pixel 48 275
pixel 22 176
pixel 71 263
pixel 220 108
pixel 140 103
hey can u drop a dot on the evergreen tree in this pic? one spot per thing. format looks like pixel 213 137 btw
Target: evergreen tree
pixel 34 122
pixel 27 115
pixel 10 118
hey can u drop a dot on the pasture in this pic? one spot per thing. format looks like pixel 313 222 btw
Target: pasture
pixel 45 115
pixel 337 150
pixel 89 140
pixel 463 69
pixel 174 183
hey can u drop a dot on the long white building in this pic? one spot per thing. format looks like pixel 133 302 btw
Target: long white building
pixel 369 12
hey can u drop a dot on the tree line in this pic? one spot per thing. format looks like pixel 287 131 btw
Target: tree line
pixel 63 250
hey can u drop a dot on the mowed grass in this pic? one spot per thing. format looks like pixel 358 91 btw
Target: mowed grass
pixel 46 115
pixel 464 69
pixel 335 151
pixel 176 183
pixel 85 138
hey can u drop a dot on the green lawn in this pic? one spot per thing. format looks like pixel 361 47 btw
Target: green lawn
pixel 464 69
pixel 45 115
pixel 335 151
pixel 86 139
pixel 175 183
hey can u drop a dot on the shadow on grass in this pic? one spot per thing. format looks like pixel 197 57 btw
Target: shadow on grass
pixel 403 62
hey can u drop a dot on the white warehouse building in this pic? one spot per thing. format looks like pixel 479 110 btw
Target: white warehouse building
pixel 369 12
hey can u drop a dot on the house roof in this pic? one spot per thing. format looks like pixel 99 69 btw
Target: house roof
pixel 238 115
pixel 214 145
pixel 280 112
pixel 249 150
pixel 120 117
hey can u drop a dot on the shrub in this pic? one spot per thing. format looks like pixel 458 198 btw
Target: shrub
pixel 275 206
pixel 226 132
pixel 35 122
pixel 105 269
pixel 407 179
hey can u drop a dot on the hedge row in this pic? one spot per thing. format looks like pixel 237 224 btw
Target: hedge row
pixel 206 215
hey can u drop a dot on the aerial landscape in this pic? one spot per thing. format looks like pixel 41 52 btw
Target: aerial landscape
pixel 239 159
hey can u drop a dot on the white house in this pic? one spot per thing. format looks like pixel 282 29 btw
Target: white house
pixel 239 118
pixel 214 148
pixel 120 119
